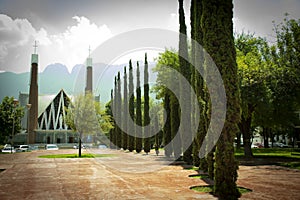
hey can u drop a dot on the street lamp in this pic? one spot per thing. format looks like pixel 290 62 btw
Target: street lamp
pixel 15 102
pixel 28 108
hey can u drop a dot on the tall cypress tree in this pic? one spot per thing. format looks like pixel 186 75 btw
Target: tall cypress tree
pixel 131 129
pixel 125 111
pixel 175 122
pixel 146 108
pixel 185 91
pixel 138 140
pixel 167 128
pixel 112 131
pixel 197 81
pixel 115 132
pixel 219 43
pixel 119 111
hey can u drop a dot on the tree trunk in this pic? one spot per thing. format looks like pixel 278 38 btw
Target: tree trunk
pixel 245 128
pixel 238 140
pixel 79 147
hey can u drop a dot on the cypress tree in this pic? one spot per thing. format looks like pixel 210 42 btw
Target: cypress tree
pixel 125 109
pixel 111 132
pixel 167 127
pixel 138 140
pixel 185 91
pixel 115 132
pixel 119 111
pixel 146 108
pixel 131 129
pixel 219 43
pixel 200 89
pixel 175 122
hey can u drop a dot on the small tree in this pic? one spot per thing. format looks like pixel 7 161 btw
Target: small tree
pixel 81 116
pixel 10 118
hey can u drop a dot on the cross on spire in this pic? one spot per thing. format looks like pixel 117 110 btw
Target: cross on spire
pixel 89 51
pixel 35 46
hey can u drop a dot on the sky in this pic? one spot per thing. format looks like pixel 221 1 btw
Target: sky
pixel 65 29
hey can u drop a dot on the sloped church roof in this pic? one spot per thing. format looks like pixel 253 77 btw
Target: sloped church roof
pixel 52 118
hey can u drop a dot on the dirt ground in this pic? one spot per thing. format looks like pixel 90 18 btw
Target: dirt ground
pixel 126 176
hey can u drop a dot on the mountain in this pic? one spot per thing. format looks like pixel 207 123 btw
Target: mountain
pixel 56 77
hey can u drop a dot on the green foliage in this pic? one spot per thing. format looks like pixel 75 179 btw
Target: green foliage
pixel 10 118
pixel 209 189
pixel 82 116
pixel 139 122
pixel 118 112
pixel 125 111
pixel 185 91
pixel 165 62
pixel 254 74
pixel 218 41
pixel 167 127
pixel 146 108
pixel 131 139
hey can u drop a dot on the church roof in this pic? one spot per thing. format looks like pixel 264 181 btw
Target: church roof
pixel 53 115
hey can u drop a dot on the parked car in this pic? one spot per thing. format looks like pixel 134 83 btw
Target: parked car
pixel 76 146
pixel 257 145
pixel 280 145
pixel 102 146
pixel 51 147
pixel 21 148
pixel 8 150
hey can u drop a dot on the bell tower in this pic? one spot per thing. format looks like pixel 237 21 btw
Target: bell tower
pixel 33 97
pixel 89 74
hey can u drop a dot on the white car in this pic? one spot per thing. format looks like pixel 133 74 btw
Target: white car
pixel 8 150
pixel 51 147
pixel 22 148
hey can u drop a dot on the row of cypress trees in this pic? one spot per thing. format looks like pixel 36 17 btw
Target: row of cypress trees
pixel 133 106
pixel 212 28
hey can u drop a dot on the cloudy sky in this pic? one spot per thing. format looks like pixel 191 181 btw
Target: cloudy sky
pixel 65 29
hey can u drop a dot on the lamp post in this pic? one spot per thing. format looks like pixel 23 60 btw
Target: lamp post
pixel 28 106
pixel 15 102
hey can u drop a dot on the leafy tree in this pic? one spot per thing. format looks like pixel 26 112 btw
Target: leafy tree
pixel 146 108
pixel 169 59
pixel 219 43
pixel 125 109
pixel 253 73
pixel 10 118
pixel 81 116
pixel 285 87
pixel 131 129
pixel 138 140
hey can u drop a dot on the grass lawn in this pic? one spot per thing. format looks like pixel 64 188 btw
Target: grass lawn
pixel 286 157
pixel 271 152
pixel 209 189
pixel 199 176
pixel 87 155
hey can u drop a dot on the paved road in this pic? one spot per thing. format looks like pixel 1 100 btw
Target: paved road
pixel 29 177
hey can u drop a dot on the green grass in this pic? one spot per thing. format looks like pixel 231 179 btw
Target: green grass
pixel 209 189
pixel 192 168
pixel 294 165
pixel 271 152
pixel 199 176
pixel 88 155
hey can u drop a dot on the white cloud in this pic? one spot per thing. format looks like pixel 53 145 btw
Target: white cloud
pixel 69 47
